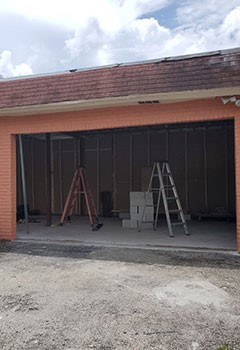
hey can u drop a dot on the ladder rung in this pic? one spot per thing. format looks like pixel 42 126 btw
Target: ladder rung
pixel 177 223
pixel 175 211
pixel 157 189
pixel 170 198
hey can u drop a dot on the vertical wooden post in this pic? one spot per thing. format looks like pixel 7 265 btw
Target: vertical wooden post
pixel 48 180
pixel 167 145
pixel 226 168
pixel 186 169
pixel 114 172
pixel 32 176
pixel 148 149
pixel 205 168
pixel 60 175
pixel 131 162
pixel 237 176
pixel 24 188
pixel 98 175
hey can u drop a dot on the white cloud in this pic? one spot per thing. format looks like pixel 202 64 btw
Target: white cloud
pixel 225 33
pixel 76 13
pixel 141 39
pixel 204 15
pixel 145 38
pixel 112 31
pixel 8 69
pixel 231 24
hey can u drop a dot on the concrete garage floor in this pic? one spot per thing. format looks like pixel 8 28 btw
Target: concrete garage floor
pixel 62 297
pixel 205 234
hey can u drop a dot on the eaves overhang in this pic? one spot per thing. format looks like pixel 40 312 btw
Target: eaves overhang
pixel 78 105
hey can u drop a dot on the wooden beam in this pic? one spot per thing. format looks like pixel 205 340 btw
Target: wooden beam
pixel 48 180
pixel 24 188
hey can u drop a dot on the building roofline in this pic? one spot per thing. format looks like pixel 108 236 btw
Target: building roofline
pixel 147 99
pixel 156 60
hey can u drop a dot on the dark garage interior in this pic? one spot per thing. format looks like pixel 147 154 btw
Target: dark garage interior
pixel 119 161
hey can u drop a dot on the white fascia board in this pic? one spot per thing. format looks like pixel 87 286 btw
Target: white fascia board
pixel 69 106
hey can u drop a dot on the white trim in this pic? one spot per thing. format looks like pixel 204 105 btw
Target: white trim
pixel 69 106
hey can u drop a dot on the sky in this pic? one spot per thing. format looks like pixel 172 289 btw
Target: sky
pixel 44 36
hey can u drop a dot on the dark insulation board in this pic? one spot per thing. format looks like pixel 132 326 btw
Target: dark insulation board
pixel 201 159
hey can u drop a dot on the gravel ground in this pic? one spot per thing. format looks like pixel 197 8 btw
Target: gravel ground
pixel 79 298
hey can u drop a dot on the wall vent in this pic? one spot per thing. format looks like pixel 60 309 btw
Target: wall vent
pixel 148 102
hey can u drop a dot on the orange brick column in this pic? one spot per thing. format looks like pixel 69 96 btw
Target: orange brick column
pixel 237 176
pixel 7 186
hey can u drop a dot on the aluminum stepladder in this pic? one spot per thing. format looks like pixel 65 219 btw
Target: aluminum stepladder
pixel 80 185
pixel 168 191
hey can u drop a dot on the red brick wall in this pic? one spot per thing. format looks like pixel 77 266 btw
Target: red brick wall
pixel 201 110
pixel 7 185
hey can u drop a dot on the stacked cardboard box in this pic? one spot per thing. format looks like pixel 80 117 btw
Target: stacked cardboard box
pixel 138 200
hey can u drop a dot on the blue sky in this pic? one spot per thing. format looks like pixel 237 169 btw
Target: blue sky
pixel 166 16
pixel 51 35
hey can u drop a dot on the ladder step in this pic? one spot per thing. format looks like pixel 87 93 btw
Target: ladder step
pixel 160 189
pixel 175 211
pixel 166 174
pixel 170 198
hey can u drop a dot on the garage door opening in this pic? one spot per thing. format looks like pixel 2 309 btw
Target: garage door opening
pixel 119 161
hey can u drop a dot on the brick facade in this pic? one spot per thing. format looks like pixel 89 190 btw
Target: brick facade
pixel 114 117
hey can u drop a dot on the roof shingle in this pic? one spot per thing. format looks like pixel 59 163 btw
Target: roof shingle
pixel 212 70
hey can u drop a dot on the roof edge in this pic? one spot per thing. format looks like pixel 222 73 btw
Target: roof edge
pixel 114 65
pixel 78 105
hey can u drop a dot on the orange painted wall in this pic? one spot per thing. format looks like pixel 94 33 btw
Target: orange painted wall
pixel 114 117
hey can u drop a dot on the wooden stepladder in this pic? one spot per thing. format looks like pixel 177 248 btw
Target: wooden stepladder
pixel 165 188
pixel 80 185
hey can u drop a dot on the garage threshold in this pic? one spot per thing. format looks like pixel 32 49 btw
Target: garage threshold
pixel 211 235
